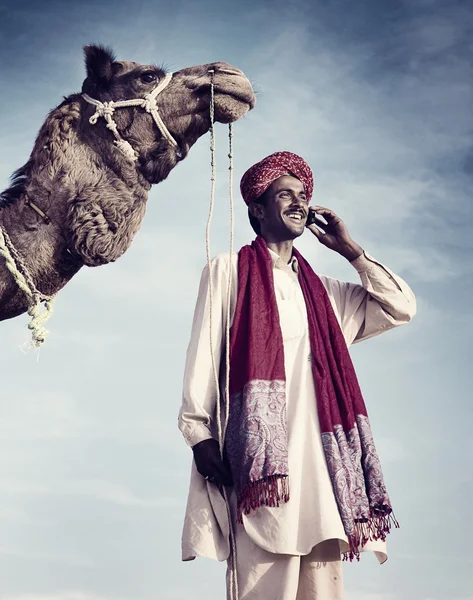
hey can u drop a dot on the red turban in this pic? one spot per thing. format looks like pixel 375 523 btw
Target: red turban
pixel 260 176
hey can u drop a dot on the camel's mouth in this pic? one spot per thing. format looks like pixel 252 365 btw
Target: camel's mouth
pixel 248 99
pixel 234 97
pixel 239 90
pixel 182 149
pixel 230 107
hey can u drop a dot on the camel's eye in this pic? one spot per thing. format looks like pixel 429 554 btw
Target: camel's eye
pixel 148 77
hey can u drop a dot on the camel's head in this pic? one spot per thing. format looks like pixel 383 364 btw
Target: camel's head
pixel 183 105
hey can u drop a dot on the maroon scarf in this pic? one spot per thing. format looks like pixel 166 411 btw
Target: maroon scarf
pixel 256 439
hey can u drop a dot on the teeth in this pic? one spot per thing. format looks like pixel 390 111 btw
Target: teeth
pixel 296 216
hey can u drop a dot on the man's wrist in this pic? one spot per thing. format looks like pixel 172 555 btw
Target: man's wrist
pixel 351 251
pixel 201 442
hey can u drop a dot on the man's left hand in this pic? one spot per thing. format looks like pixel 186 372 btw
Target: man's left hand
pixel 334 234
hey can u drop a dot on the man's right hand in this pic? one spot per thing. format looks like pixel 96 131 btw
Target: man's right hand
pixel 210 464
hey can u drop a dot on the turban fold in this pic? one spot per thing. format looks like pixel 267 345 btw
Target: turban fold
pixel 260 176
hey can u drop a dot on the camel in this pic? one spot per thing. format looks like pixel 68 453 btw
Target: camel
pixel 81 197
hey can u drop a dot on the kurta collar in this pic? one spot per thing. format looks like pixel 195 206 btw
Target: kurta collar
pixel 291 268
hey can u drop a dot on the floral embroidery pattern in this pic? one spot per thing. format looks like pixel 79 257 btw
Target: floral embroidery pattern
pixel 355 471
pixel 256 442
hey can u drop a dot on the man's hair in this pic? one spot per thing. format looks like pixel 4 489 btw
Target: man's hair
pixel 254 222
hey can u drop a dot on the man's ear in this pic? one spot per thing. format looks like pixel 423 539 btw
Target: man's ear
pixel 256 210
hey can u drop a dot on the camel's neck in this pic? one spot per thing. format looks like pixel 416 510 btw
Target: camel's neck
pixel 43 249
pixel 94 199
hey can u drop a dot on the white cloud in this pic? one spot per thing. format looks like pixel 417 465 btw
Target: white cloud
pixel 96 489
pixel 114 493
pixel 65 595
pixel 363 595
pixel 10 552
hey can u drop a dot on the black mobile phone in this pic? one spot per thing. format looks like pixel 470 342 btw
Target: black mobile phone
pixel 311 217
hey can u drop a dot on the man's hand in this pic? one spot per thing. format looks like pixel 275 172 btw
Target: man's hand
pixel 209 463
pixel 333 234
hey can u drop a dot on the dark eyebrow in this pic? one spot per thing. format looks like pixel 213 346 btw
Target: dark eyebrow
pixel 150 69
pixel 158 68
pixel 290 190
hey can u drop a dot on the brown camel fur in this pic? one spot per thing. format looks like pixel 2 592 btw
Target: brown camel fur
pixel 93 195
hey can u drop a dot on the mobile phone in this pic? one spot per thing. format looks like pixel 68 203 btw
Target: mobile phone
pixel 311 217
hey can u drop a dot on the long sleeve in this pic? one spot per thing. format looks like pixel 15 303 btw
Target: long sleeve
pixel 382 301
pixel 199 396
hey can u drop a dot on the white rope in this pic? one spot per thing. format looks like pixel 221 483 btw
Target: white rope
pixel 234 593
pixel 23 279
pixel 229 282
pixel 149 103
pixel 209 258
pixel 222 427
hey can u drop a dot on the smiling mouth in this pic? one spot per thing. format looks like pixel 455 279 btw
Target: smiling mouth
pixel 296 216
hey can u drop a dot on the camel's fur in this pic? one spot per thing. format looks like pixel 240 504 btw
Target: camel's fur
pixel 94 196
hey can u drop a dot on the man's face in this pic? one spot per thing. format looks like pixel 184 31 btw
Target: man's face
pixel 284 213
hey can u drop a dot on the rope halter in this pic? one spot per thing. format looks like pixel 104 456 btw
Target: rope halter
pixel 149 103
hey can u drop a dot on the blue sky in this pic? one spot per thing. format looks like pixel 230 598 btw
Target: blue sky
pixel 377 97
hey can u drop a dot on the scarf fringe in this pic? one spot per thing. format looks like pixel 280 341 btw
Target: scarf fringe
pixel 269 491
pixel 375 528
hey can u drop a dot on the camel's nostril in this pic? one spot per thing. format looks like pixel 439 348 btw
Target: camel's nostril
pixel 230 72
pixel 203 90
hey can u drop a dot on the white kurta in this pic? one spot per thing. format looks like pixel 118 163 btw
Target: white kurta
pixel 311 516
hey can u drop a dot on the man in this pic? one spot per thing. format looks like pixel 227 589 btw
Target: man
pixel 300 465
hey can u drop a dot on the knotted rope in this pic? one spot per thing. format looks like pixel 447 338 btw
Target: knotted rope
pixel 17 267
pixel 149 103
pixel 222 426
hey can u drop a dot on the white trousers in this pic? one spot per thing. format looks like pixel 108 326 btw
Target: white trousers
pixel 266 576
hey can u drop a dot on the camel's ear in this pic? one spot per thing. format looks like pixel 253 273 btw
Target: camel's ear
pixel 98 62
